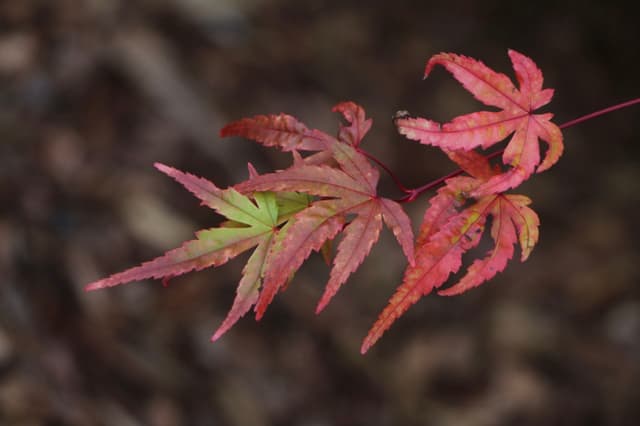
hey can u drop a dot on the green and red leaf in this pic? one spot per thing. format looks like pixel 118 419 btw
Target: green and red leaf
pixel 305 232
pixel 250 224
pixel 249 287
pixel 331 194
pixel 213 247
pixel 286 215
pixel 350 189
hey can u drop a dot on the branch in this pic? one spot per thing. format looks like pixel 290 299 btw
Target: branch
pixel 413 193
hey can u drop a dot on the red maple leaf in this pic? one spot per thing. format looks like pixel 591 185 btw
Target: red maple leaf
pixel 330 190
pixel 448 231
pixel 486 128
pixel 276 214
pixel 349 189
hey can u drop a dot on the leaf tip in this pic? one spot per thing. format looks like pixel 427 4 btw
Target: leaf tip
pixel 167 170
pixel 260 312
pixel 366 345
pixel 321 305
pixel 326 298
pixel 225 131
pixel 514 54
pixel 160 166
pixel 97 285
pixel 434 60
pixel 219 332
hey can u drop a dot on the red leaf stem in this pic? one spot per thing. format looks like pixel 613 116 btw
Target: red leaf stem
pixel 414 193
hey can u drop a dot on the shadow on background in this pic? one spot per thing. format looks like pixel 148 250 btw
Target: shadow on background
pixel 93 92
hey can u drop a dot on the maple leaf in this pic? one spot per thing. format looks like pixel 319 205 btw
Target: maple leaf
pixel 446 234
pixel 485 128
pixel 347 190
pixel 510 214
pixel 358 124
pixel 250 225
pixel 285 215
pixel 282 131
pixel 291 135
pixel 472 162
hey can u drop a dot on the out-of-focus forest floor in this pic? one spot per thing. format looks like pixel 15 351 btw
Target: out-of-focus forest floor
pixel 93 92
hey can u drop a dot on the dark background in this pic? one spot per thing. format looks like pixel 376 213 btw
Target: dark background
pixel 93 92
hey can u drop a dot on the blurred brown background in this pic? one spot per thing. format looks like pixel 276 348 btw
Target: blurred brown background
pixel 93 92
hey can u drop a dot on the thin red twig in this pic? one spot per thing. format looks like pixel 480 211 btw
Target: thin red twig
pixel 413 193
pixel 599 113
pixel 384 167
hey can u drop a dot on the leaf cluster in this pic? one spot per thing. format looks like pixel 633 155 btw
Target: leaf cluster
pixel 329 193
